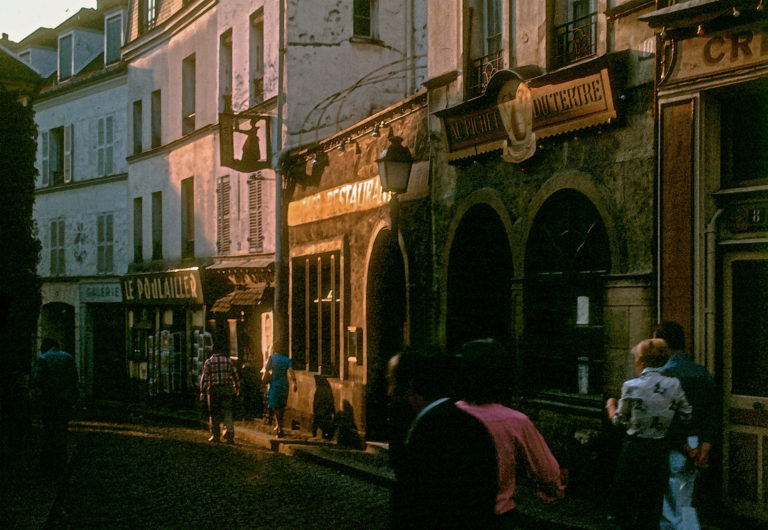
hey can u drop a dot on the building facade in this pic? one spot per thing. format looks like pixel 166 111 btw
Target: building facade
pixel 542 190
pixel 712 171
pixel 80 202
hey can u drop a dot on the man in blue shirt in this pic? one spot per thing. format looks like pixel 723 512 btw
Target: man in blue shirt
pixel 54 376
pixel 688 453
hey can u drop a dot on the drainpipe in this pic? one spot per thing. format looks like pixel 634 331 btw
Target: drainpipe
pixel 280 310
pixel 709 306
pixel 410 38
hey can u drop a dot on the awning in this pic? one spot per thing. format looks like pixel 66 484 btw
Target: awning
pixel 262 262
pixel 239 298
pixel 692 12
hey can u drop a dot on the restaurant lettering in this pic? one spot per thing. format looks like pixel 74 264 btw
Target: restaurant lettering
pixel 711 54
pixel 168 287
pixel 349 198
pixel 463 130
pixel 566 99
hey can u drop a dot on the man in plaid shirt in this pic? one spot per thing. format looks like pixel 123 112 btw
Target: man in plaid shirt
pixel 220 382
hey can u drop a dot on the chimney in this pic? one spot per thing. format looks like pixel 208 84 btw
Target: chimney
pixel 5 36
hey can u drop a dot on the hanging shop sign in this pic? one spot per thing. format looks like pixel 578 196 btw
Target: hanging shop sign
pixel 163 288
pixel 513 113
pixel 349 198
pixel 720 52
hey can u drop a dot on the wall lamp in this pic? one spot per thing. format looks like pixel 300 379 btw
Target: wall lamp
pixel 395 166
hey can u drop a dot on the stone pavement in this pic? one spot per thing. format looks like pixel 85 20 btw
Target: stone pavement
pixel 28 498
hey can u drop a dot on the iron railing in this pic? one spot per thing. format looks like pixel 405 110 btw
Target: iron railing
pixel 575 40
pixel 482 70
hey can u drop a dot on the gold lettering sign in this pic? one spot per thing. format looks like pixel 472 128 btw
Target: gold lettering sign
pixel 720 52
pixel 576 104
pixel 349 198
pixel 170 287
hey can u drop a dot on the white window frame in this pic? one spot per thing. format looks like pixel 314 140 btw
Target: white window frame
pixel 105 140
pixel 71 38
pixel 105 243
pixel 373 20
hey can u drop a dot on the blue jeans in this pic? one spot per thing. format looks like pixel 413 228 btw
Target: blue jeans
pixel 677 512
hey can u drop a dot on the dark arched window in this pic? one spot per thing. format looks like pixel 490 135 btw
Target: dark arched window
pixel 567 257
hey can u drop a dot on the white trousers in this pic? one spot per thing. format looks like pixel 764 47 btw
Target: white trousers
pixel 677 513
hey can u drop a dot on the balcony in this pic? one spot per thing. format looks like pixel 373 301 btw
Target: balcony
pixel 482 70
pixel 575 40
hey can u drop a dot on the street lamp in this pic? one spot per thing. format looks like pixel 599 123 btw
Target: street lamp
pixel 395 166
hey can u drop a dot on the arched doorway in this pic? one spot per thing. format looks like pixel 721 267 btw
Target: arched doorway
pixel 57 321
pixel 566 259
pixel 386 317
pixel 479 278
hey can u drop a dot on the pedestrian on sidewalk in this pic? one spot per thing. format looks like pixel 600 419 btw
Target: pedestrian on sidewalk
pixel 279 366
pixel 688 454
pixel 649 405
pixel 220 383
pixel 54 379
pixel 446 474
pixel 484 372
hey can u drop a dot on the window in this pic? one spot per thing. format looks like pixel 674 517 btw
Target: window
pixel 255 215
pixel 113 38
pixel 105 243
pixel 222 215
pixel 138 230
pixel 157 119
pixel 148 14
pixel 316 303
pixel 157 225
pixel 744 142
pixel 364 20
pixel 225 71
pixel 574 31
pixel 256 59
pixel 188 218
pixel 138 127
pixel 65 57
pixel 56 156
pixel 57 247
pixel 104 146
pixel 188 95
pixel 487 48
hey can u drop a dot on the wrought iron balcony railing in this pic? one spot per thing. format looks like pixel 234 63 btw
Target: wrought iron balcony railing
pixel 482 70
pixel 575 40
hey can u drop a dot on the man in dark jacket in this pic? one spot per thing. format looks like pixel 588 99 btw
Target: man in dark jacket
pixel 688 453
pixel 54 376
pixel 446 471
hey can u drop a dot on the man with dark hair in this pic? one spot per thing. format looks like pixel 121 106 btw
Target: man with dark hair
pixel 54 376
pixel 688 453
pixel 446 473
pixel 220 383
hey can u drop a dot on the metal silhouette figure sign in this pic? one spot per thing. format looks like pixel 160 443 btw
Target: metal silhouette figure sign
pixel 253 142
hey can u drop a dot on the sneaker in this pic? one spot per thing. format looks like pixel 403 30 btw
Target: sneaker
pixel 213 440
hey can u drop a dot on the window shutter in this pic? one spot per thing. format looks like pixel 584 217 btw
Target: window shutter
pixel 68 130
pixel 108 141
pixel 110 239
pixel 223 225
pixel 100 147
pixel 255 229
pixel 46 164
pixel 100 237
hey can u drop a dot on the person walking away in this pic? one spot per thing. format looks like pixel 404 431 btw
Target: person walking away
pixel 445 472
pixel 688 454
pixel 54 377
pixel 648 407
pixel 484 370
pixel 280 367
pixel 220 383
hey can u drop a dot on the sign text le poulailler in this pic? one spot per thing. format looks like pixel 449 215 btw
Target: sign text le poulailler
pixel 169 287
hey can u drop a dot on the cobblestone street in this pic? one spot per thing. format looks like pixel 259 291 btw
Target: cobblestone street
pixel 148 475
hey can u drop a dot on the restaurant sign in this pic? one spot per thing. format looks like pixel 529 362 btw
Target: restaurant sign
pixel 545 110
pixel 163 288
pixel 720 52
pixel 349 198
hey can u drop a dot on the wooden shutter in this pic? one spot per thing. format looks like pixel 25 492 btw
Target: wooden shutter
pixel 68 140
pixel 46 164
pixel 255 227
pixel 223 230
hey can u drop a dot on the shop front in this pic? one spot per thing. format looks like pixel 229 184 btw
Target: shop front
pixel 546 241
pixel 349 283
pixel 712 100
pixel 167 341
